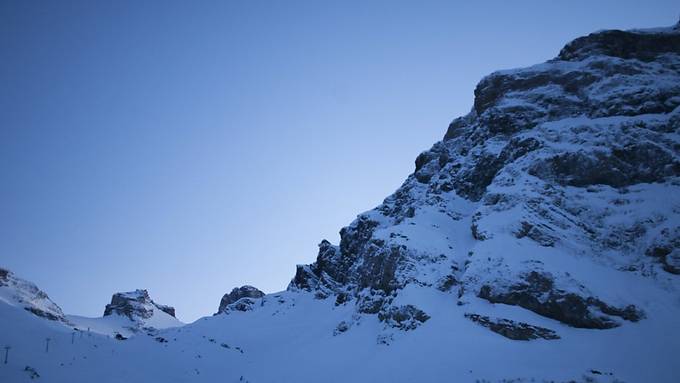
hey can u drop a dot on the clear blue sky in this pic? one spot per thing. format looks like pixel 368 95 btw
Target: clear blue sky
pixel 191 147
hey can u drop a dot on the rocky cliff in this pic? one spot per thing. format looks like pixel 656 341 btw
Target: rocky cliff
pixel 563 175
pixel 141 311
pixel 240 299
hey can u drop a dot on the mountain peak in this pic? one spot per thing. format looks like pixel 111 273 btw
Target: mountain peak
pixel 525 195
pixel 643 45
pixel 136 305
pixel 240 298
pixel 19 292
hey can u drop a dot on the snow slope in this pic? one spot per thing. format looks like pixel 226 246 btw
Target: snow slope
pixel 21 293
pixel 291 339
pixel 129 313
pixel 538 241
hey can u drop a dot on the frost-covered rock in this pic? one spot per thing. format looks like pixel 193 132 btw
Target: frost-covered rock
pixel 406 317
pixel 666 248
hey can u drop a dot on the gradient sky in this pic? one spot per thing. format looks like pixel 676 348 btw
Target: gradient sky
pixel 191 147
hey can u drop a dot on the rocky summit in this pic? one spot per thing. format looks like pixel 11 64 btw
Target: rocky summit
pixel 135 305
pixel 240 298
pixel 538 241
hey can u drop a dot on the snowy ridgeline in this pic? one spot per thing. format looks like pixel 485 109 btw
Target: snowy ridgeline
pixel 538 241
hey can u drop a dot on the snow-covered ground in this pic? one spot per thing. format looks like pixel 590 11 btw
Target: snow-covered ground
pixel 291 337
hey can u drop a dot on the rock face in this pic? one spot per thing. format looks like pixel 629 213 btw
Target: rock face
pixel 406 317
pixel 563 173
pixel 537 292
pixel 27 295
pixel 666 249
pixel 135 305
pixel 513 330
pixel 240 299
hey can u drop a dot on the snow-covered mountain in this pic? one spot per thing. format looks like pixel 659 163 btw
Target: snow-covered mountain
pixel 538 241
pixel 17 292
pixel 128 314
pixel 240 298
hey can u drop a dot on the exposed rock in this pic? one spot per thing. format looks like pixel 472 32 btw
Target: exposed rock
pixel 4 277
pixel 31 372
pixel 243 304
pixel 136 305
pixel 635 163
pixel 44 314
pixel 512 329
pixel 120 337
pixel 533 232
pixel 371 304
pixel 336 266
pixel 623 44
pixel 447 282
pixel 471 181
pixel 341 328
pixel 537 292
pixel 341 299
pixel 166 309
pixel 405 318
pixel 240 299
pixel 539 157
pixel 666 248
pixel 475 231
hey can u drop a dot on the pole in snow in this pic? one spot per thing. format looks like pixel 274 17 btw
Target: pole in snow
pixel 73 335
pixel 6 353
pixel 47 345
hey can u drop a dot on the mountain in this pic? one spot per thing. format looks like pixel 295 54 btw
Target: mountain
pixel 538 241
pixel 23 294
pixel 240 298
pixel 129 313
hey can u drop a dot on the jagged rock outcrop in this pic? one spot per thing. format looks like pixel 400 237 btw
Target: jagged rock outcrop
pixel 551 175
pixel 537 292
pixel 240 299
pixel 135 305
pixel 623 44
pixel 25 294
pixel 406 317
pixel 512 329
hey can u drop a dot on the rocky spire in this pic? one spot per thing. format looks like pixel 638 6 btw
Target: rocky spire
pixel 237 294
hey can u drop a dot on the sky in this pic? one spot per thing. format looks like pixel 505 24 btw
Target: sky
pixel 191 147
